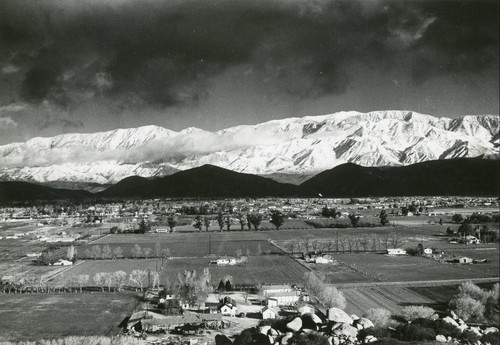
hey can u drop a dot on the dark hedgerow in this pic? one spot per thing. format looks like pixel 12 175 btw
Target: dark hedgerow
pixel 492 338
pixel 414 332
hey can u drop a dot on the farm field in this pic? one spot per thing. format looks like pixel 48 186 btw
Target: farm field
pixel 264 269
pixel 37 316
pixel 392 298
pixel 188 247
pixel 412 268
pixel 339 274
pixel 270 269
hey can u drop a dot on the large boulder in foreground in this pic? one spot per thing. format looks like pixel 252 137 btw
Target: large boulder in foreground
pixel 338 315
pixel 221 339
pixel 364 323
pixel 295 325
pixel 346 330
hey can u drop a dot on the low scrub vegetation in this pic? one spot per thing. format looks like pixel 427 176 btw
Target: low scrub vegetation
pixel 89 340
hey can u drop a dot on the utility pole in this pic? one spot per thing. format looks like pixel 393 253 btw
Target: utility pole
pixel 209 245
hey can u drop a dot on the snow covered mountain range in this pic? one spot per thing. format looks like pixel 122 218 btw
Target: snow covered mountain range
pixel 287 150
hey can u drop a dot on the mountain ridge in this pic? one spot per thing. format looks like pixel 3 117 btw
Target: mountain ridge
pixel 287 150
pixel 463 176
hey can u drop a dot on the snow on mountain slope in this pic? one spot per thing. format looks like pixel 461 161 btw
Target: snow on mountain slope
pixel 289 149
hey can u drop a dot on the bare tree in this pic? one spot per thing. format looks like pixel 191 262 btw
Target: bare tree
pixel 95 252
pixel 350 243
pixel 329 245
pixel 117 253
pixel 137 251
pixel 137 277
pixel 315 244
pixel 119 277
pixel 158 249
pixel 364 243
pixel 156 280
pixel 109 279
pixel 81 280
pixel 100 280
pixel 342 242
pixel 106 252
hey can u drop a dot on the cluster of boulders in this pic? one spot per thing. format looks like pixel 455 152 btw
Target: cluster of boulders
pixel 339 327
pixel 454 320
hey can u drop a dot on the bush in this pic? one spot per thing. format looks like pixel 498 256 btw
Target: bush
pixel 469 336
pixel 312 338
pixel 377 332
pixel 414 332
pixel 467 307
pixel 414 312
pixel 446 329
pixel 379 316
pixel 492 338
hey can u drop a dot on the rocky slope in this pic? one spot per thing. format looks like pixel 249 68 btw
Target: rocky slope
pixel 291 149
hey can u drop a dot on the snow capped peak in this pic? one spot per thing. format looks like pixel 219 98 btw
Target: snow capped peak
pixel 303 146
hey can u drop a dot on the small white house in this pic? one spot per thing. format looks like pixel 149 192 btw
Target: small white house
pixel 269 313
pixel 272 302
pixel 396 251
pixel 427 251
pixel 226 261
pixel 228 309
pixel 62 262
pixel 323 260
pixel 465 260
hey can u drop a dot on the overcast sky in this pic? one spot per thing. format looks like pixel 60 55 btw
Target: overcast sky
pixel 93 65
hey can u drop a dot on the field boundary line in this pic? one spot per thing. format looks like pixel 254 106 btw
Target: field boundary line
pixel 62 271
pixel 418 282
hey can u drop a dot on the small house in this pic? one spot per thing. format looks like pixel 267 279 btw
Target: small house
pixel 272 302
pixel 228 309
pixel 396 251
pixel 471 240
pixel 465 260
pixel 270 289
pixel 285 298
pixel 323 260
pixel 269 313
pixel 226 261
pixel 427 251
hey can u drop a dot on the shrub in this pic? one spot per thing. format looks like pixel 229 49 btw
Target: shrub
pixel 379 316
pixel 413 332
pixel 446 329
pixel 469 336
pixel 413 312
pixel 377 332
pixel 467 307
pixel 312 338
pixel 492 338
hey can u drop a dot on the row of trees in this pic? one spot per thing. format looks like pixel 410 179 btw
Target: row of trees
pixel 105 252
pixel 248 220
pixel 343 244
pixel 328 295
pixel 111 280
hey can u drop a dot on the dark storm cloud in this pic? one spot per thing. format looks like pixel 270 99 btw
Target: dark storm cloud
pixel 463 39
pixel 163 53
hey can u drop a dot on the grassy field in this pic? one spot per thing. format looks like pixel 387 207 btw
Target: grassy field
pixel 265 269
pixel 36 316
pixel 270 269
pixel 392 298
pixel 189 247
pixel 339 274
pixel 411 268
